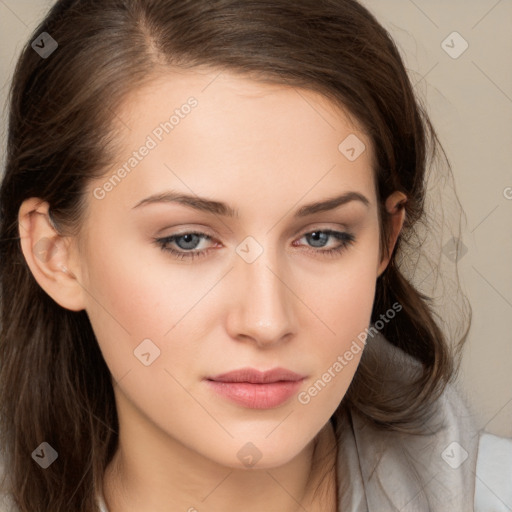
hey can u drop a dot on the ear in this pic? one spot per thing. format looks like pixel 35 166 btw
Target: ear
pixel 396 216
pixel 49 255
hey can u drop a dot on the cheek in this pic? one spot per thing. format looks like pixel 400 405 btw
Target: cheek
pixel 132 299
pixel 335 345
pixel 346 311
pixel 342 299
pixel 343 293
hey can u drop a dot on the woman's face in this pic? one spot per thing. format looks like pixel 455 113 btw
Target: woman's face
pixel 274 281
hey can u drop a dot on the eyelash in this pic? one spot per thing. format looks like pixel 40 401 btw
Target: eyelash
pixel 345 238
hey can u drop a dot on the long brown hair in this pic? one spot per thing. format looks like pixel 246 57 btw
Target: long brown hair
pixel 55 385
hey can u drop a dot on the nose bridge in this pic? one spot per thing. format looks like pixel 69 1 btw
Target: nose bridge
pixel 263 308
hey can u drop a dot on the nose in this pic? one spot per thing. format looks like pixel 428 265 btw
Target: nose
pixel 263 303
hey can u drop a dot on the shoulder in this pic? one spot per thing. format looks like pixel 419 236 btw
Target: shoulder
pixel 433 471
pixel 493 473
pixel 415 472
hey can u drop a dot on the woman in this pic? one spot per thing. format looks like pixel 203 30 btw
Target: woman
pixel 202 216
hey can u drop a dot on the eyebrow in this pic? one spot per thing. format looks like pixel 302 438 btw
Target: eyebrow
pixel 219 208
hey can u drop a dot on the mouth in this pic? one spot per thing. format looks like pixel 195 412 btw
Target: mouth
pixel 253 389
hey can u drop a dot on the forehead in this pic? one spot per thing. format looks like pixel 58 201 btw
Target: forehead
pixel 220 134
pixel 223 92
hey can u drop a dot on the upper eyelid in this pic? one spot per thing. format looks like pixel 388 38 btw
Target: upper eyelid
pixel 340 227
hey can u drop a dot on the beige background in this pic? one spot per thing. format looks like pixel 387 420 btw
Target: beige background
pixel 470 102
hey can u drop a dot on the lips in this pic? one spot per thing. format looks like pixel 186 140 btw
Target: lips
pixel 251 388
pixel 256 377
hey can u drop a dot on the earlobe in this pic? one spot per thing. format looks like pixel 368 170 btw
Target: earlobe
pixel 48 255
pixel 396 212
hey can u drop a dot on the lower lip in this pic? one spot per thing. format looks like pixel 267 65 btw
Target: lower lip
pixel 257 396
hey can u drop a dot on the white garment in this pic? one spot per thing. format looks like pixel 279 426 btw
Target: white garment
pixel 493 492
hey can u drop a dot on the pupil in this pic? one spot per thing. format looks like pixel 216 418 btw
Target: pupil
pixel 317 236
pixel 188 241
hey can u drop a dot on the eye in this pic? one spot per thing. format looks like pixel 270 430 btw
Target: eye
pixel 187 243
pixel 319 238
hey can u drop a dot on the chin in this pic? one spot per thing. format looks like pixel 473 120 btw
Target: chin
pixel 263 453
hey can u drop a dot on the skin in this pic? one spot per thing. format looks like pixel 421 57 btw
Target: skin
pixel 265 150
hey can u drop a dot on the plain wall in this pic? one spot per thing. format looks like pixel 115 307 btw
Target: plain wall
pixel 469 99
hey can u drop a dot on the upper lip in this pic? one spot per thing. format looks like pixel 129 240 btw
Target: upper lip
pixel 254 376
